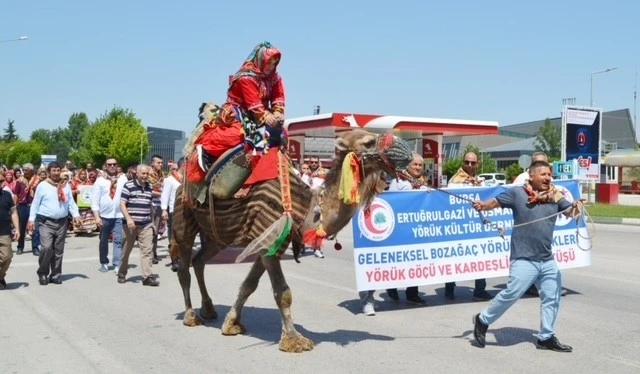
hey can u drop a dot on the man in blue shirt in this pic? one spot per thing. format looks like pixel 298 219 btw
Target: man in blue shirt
pixel 51 206
pixel 532 259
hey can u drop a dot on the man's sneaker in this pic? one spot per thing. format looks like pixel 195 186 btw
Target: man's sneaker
pixel 121 279
pixel 368 309
pixel 479 330
pixel 150 281
pixel 482 296
pixel 318 253
pixel 393 294
pixel 116 269
pixel 104 268
pixel 553 344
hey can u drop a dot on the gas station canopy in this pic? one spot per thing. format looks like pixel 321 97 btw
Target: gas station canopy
pixel 329 124
pixel 623 157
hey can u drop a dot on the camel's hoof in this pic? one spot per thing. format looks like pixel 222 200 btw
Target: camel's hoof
pixel 295 344
pixel 191 318
pixel 230 327
pixel 208 312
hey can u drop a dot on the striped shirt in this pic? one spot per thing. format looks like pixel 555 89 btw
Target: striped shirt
pixel 137 198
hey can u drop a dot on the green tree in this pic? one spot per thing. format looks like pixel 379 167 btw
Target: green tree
pixel 55 141
pixel 633 173
pixel 42 136
pixel 117 133
pixel 10 134
pixel 20 152
pixel 78 124
pixel 549 139
pixel 451 166
pixel 513 171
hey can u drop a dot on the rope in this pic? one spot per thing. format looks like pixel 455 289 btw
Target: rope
pixel 581 209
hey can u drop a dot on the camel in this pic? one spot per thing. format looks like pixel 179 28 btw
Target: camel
pixel 243 222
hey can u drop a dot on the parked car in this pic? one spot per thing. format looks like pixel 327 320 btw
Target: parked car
pixel 494 179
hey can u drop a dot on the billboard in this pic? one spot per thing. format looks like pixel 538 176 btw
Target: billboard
pixel 581 136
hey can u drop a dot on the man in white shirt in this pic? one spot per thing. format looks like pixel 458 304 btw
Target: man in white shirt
pixel 51 206
pixel 169 189
pixel 105 204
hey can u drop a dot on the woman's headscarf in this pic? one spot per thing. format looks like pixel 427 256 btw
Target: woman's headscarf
pixel 12 183
pixel 259 58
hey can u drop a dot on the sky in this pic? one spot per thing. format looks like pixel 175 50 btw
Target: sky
pixel 505 61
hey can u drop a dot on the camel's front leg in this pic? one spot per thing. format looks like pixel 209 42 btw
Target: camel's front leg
pixel 291 340
pixel 232 324
pixel 207 251
pixel 184 230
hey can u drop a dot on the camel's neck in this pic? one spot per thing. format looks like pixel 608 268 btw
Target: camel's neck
pixel 335 213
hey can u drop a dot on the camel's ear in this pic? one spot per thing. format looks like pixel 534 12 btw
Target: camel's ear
pixel 342 145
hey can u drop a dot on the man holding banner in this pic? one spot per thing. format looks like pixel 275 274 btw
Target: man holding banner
pixel 532 259
pixel 466 177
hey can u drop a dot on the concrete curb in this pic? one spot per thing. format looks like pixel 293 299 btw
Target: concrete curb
pixel 617 221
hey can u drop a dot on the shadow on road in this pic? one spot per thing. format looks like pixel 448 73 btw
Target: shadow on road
pixel 565 291
pixel 66 277
pixel 504 337
pixel 16 285
pixel 265 324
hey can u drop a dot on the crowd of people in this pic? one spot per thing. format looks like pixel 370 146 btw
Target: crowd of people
pixel 44 205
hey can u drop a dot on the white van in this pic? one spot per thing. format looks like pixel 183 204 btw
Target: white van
pixel 494 179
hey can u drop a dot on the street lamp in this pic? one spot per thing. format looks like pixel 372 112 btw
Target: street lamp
pixel 594 73
pixel 22 38
pixel 141 139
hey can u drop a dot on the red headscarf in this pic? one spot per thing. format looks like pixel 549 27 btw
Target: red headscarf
pixel 12 184
pixel 256 64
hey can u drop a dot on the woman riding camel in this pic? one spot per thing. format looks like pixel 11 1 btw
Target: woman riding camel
pixel 255 103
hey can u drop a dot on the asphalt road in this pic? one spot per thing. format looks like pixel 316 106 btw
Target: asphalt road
pixel 92 324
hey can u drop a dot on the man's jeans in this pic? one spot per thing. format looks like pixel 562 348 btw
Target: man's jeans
pixel 522 275
pixel 110 225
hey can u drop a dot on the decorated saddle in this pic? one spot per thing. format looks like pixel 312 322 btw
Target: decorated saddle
pixel 229 172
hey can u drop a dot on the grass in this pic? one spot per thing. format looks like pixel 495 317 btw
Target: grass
pixel 619 211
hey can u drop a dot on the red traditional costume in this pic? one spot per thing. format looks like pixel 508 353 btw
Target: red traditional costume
pixel 256 93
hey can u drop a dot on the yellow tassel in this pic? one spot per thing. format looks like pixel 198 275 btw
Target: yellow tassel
pixel 349 180
pixel 320 233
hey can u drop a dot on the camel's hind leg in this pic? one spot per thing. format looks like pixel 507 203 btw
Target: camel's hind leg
pixel 208 250
pixel 291 340
pixel 232 324
pixel 184 231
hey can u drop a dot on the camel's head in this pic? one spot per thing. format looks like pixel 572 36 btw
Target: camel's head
pixel 376 151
